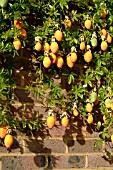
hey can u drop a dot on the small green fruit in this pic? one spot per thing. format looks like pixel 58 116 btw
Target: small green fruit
pixel 93 96
pixel 94 42
pixel 3 3
pixel 108 103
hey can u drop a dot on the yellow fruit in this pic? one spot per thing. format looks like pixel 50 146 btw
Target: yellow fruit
pixel 89 107
pixel 104 32
pixel 23 33
pixel 68 23
pixel 88 24
pixel 104 13
pixel 46 62
pixel 112 138
pixel 75 112
pixel 54 47
pixel 50 121
pixel 17 44
pixel 82 45
pixel 58 35
pixel 65 121
pixel 90 119
pixel 108 103
pixel 88 56
pixel 59 62
pixel 53 58
pixel 73 57
pixel 8 141
pixel 38 46
pixel 69 62
pixel 104 45
pixel 3 132
pixel 18 23
pixel 109 38
pixel 46 47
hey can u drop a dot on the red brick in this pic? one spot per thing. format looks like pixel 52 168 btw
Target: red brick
pixel 23 162
pixel 96 160
pixel 44 146
pixel 66 162
pixel 82 146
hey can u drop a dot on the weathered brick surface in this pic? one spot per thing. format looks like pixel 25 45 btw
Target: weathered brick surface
pixel 44 146
pixel 82 146
pixel 96 160
pixel 66 162
pixel 23 162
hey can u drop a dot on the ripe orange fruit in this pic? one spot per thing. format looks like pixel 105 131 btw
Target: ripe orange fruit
pixel 38 46
pixel 96 102
pixel 73 57
pixel 89 107
pixel 23 33
pixel 88 23
pixel 109 38
pixel 68 23
pixel 82 45
pixel 69 62
pixel 18 23
pixel 88 56
pixel 54 47
pixel 17 44
pixel 90 119
pixel 65 121
pixel 58 35
pixel 104 45
pixel 8 141
pixel 50 121
pixel 75 112
pixel 59 62
pixel 103 32
pixel 46 62
pixel 53 58
pixel 3 132
pixel 104 13
pixel 46 47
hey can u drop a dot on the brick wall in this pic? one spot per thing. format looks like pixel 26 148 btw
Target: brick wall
pixel 58 148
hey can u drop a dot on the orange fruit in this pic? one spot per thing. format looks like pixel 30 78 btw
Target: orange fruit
pixel 68 23
pixel 75 112
pixel 88 24
pixel 46 47
pixel 23 33
pixel 58 35
pixel 82 45
pixel 69 62
pixel 3 132
pixel 8 141
pixel 18 23
pixel 65 121
pixel 90 119
pixel 88 56
pixel 104 45
pixel 73 57
pixel 53 58
pixel 96 102
pixel 59 62
pixel 104 13
pixel 109 38
pixel 104 32
pixel 50 121
pixel 46 62
pixel 38 46
pixel 54 47
pixel 17 44
pixel 89 107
